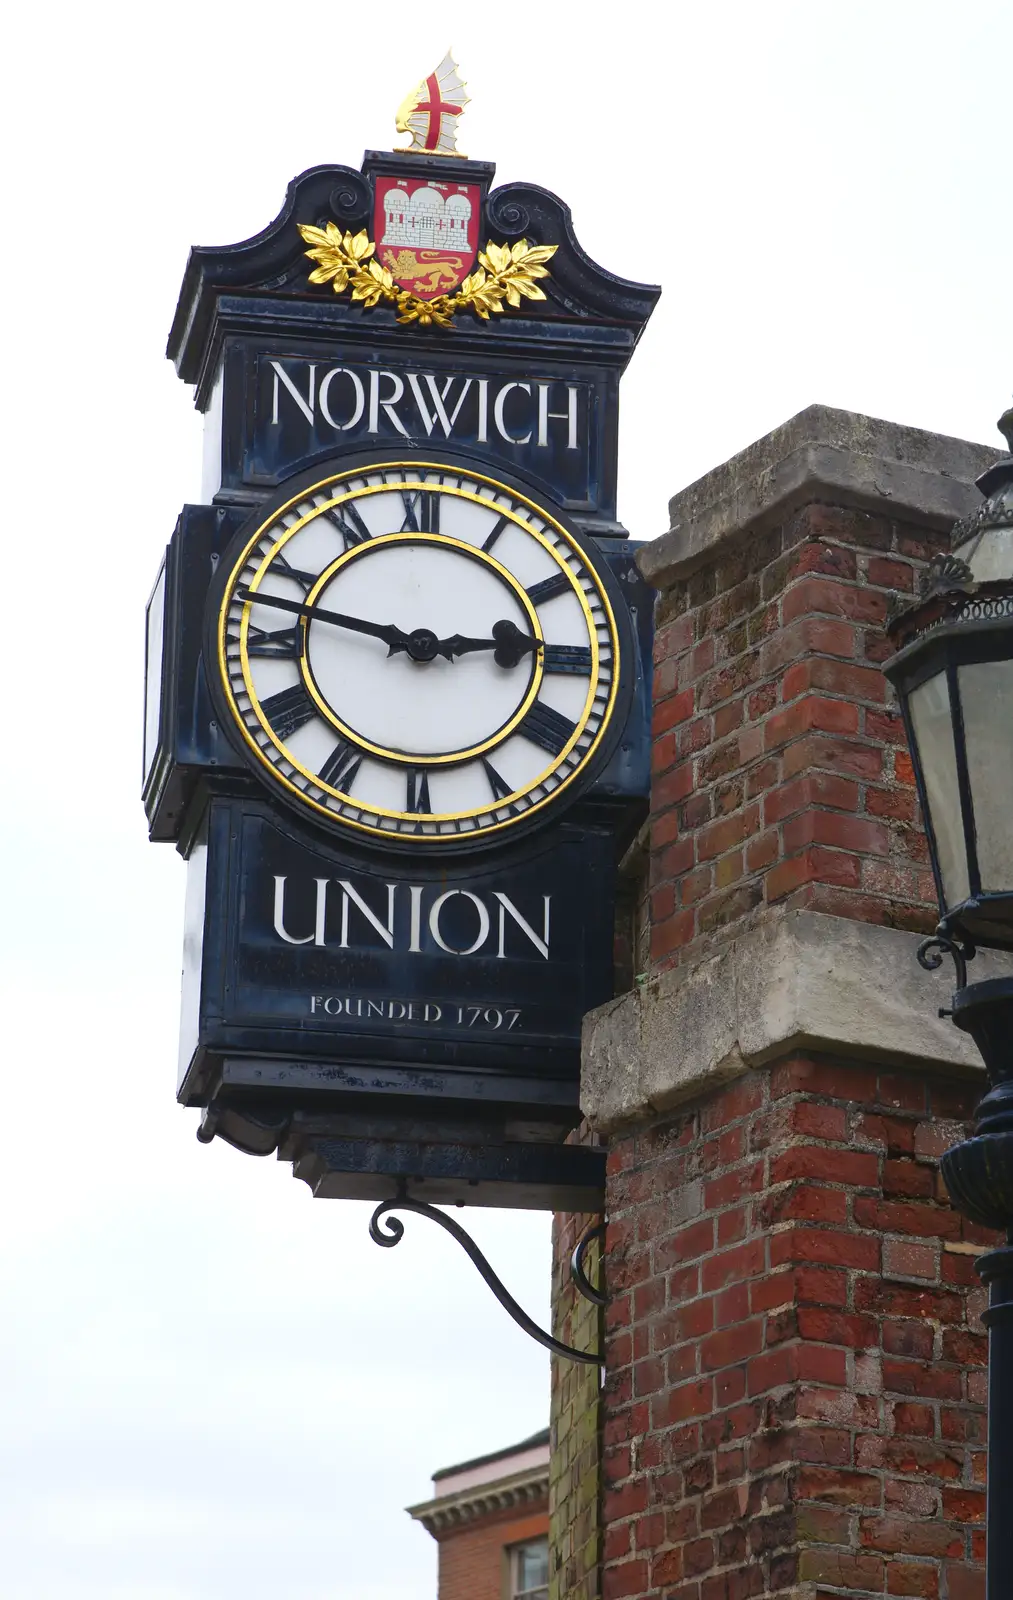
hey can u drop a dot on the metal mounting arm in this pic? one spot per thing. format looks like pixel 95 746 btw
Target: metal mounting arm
pixel 393 1233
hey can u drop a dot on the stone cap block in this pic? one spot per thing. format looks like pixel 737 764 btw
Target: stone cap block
pixel 802 981
pixel 838 457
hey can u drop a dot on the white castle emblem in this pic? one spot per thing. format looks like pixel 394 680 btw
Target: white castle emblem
pixel 425 220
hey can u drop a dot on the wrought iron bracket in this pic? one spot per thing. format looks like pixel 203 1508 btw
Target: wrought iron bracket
pixel 944 943
pixel 584 1286
pixel 393 1232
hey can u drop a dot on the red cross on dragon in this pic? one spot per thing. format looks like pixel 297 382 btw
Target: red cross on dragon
pixel 429 113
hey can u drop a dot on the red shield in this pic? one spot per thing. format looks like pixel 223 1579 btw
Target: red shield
pixel 426 233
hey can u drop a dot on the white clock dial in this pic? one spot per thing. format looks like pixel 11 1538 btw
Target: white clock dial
pixel 413 650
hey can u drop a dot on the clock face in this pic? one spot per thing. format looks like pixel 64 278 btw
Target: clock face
pixel 417 652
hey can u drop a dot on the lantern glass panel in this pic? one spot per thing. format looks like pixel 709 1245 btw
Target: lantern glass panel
pixel 986 699
pixel 929 707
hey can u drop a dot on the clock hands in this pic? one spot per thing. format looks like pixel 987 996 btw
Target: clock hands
pixel 508 643
pixel 391 636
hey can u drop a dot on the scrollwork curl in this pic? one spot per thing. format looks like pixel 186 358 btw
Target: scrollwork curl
pixel 392 1231
pixel 932 951
pixel 508 216
pixel 349 200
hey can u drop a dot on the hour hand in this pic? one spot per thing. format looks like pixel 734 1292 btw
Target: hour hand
pixel 392 637
pixel 508 644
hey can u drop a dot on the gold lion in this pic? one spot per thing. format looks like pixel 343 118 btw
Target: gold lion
pixel 406 264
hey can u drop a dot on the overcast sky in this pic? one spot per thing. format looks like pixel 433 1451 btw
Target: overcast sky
pixel 215 1388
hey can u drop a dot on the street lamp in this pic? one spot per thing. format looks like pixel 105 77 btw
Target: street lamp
pixel 954 678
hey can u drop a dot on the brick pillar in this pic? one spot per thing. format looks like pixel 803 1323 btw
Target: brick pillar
pixel 795 1387
pixel 796 1361
pixel 575 1426
pixel 781 775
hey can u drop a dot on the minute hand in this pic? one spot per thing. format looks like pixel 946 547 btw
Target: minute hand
pixel 391 636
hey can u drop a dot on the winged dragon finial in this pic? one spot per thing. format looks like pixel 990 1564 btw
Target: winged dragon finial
pixel 430 112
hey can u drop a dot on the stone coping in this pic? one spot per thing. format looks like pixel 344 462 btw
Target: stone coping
pixel 801 981
pixel 522 1491
pixel 821 454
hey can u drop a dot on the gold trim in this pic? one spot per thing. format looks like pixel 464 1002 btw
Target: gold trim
pixel 419 468
pixel 454 757
pixel 505 276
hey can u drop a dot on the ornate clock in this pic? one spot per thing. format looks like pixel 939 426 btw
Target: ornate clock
pixel 417 651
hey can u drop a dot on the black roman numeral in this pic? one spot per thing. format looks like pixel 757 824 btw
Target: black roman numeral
pixel 548 588
pixel 566 658
pixel 348 521
pixel 422 511
pixel 499 786
pixel 493 535
pixel 288 710
pixel 429 511
pixel 306 580
pixel 341 766
pixel 418 790
pixel 281 645
pixel 548 728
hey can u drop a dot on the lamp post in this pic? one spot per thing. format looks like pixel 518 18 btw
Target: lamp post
pixel 954 677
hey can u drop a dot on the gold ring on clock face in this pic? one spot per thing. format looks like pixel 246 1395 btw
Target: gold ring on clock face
pixel 416 651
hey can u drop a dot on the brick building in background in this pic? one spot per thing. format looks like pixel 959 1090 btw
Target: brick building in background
pixel 794 1390
pixel 490 1518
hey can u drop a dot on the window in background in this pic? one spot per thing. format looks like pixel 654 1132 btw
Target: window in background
pixel 529 1570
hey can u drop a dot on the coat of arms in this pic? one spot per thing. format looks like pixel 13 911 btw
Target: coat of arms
pixel 426 231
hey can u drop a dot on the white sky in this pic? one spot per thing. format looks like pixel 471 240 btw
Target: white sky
pixel 214 1387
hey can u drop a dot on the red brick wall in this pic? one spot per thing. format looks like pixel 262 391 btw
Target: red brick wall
pixel 795 1383
pixel 472 1563
pixel 575 1423
pixel 780 772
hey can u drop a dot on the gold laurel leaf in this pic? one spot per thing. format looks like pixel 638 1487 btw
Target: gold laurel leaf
pixel 505 275
pixel 326 274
